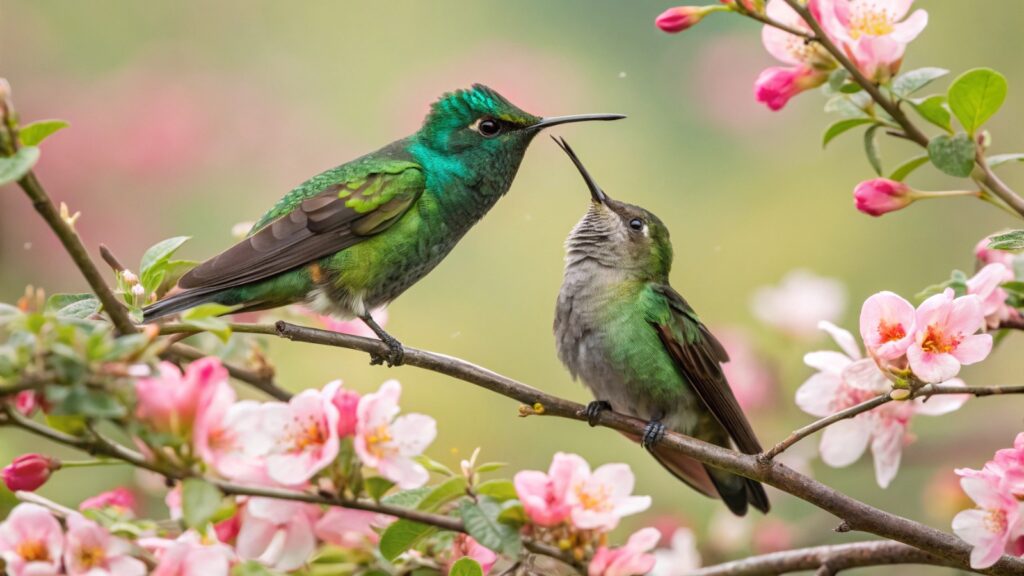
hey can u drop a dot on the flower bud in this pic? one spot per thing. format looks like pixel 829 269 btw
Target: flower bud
pixel 138 291
pixel 346 401
pixel 881 195
pixel 129 277
pixel 777 84
pixel 680 18
pixel 29 472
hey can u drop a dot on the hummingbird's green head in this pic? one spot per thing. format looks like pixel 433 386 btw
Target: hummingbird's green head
pixel 617 235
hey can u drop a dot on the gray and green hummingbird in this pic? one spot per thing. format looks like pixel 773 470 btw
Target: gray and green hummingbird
pixel 641 349
pixel 357 236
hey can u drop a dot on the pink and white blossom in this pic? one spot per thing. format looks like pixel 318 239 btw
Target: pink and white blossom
pixel 464 546
pixel 120 499
pixel 31 542
pixel 873 33
pixel 996 526
pixel 887 325
pixel 799 302
pixel 806 64
pixel 351 529
pixel 303 435
pixel 92 551
pixel 632 559
pixel 545 496
pixel 189 555
pixel 170 402
pixel 230 437
pixel 389 442
pixel 681 558
pixel 598 500
pixel 986 285
pixel 277 533
pixel 945 336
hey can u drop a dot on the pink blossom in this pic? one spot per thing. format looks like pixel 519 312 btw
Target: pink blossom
pixel 681 558
pixel 887 325
pixel 752 379
pixel 681 18
pixel 31 542
pixel 799 302
pixel 390 444
pixel 846 379
pixel 545 496
pixel 347 403
pixel 945 336
pixel 188 555
pixel 773 535
pixel 277 533
pixel 986 255
pixel 873 32
pixel 880 195
pixel 807 65
pixel 464 546
pixel 346 528
pixel 775 85
pixel 230 438
pixel 170 402
pixel 120 499
pixel 27 402
pixel 986 286
pixel 996 526
pixel 600 499
pixel 629 560
pixel 92 551
pixel 29 471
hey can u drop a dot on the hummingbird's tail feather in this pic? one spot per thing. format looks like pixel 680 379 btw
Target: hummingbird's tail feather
pixel 178 303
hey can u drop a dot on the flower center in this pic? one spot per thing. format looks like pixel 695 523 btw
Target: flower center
pixel 91 556
pixel 995 521
pixel 937 342
pixel 889 332
pixel 596 498
pixel 310 434
pixel 33 551
pixel 378 441
pixel 871 21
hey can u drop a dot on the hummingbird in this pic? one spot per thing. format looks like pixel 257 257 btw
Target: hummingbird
pixel 641 349
pixel 355 237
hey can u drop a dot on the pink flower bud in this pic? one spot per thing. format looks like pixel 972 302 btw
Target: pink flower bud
pixel 26 402
pixel 346 401
pixel 120 498
pixel 29 472
pixel 777 84
pixel 129 277
pixel 880 195
pixel 680 18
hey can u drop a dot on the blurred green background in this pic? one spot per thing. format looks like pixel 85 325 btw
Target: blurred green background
pixel 188 118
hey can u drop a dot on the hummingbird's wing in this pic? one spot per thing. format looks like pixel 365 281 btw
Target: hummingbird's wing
pixel 333 211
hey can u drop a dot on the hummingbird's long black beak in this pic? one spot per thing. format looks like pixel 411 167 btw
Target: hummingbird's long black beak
pixel 596 194
pixel 556 120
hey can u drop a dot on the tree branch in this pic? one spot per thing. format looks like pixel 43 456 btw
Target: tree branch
pixel 256 378
pixel 832 558
pixel 996 185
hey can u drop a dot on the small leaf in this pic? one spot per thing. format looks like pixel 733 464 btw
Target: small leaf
pixel 406 498
pixel 209 310
pixel 837 78
pixel 871 148
pixel 161 252
pixel 402 535
pixel 935 110
pixel 998 159
pixel 466 567
pixel 909 82
pixel 481 521
pixel 58 301
pixel 1010 241
pixel 78 306
pixel 512 513
pixel 33 134
pixel 490 467
pixel 953 155
pixel 844 106
pixel 976 95
pixel 12 168
pixel 500 490
pixel 377 487
pixel 252 568
pixel 200 501
pixel 216 326
pixel 434 466
pixel 173 271
pixel 904 170
pixel 449 490
pixel 842 126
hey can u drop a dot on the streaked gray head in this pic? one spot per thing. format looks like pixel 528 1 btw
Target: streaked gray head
pixel 616 235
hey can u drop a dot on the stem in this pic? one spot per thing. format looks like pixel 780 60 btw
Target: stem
pixel 90 463
pixel 834 558
pixel 996 185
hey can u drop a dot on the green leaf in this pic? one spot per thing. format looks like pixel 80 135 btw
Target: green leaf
pixel 466 567
pixel 82 401
pixel 837 78
pixel 33 134
pixel 909 82
pixel 406 498
pixel 904 170
pixel 998 159
pixel 159 254
pixel 976 95
pixel 206 317
pixel 377 487
pixel 935 110
pixel 12 168
pixel 500 490
pixel 449 490
pixel 402 535
pixel 1010 241
pixel 954 155
pixel 200 501
pixel 481 521
pixel 512 513
pixel 842 126
pixel 490 467
pixel 73 305
pixel 871 148
pixel 844 105
pixel 434 466
pixel 252 568
pixel 58 301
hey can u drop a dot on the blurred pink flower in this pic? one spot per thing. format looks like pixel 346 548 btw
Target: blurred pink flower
pixel 390 444
pixel 170 402
pixel 303 435
pixel 986 255
pixel 681 18
pixel 887 325
pixel 31 542
pixel 633 559
pixel 354 327
pixel 29 471
pixel 92 551
pixel 347 403
pixel 277 533
pixel 996 526
pixel 545 496
pixel 880 195
pixel 873 32
pixel 773 535
pixel 680 559
pixel 945 336
pixel 27 402
pixel 845 380
pixel 464 546
pixel 799 302
pixel 189 555
pixel 600 499
pixel 807 64
pixel 347 528
pixel 986 285
pixel 749 375
pixel 121 499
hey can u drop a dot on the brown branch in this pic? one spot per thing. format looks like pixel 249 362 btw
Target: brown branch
pixel 832 559
pixel 255 378
pixel 742 10
pixel 996 185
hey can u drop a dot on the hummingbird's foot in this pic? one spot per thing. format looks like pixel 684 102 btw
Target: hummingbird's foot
pixel 396 353
pixel 653 434
pixel 594 409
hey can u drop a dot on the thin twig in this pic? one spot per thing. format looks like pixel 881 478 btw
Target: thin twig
pixel 996 185
pixel 255 378
pixel 740 9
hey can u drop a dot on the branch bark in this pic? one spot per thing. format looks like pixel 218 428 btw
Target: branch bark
pixel 832 559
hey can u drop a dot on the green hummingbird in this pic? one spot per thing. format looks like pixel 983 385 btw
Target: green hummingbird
pixel 641 349
pixel 357 236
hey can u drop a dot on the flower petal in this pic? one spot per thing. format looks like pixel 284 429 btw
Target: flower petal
pixel 843 338
pixel 973 349
pixel 818 394
pixel 843 442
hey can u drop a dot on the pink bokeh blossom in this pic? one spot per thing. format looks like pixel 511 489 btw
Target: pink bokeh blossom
pixel 632 559
pixel 92 551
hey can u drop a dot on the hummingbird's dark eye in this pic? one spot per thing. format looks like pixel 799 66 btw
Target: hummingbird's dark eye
pixel 488 127
pixel 636 224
